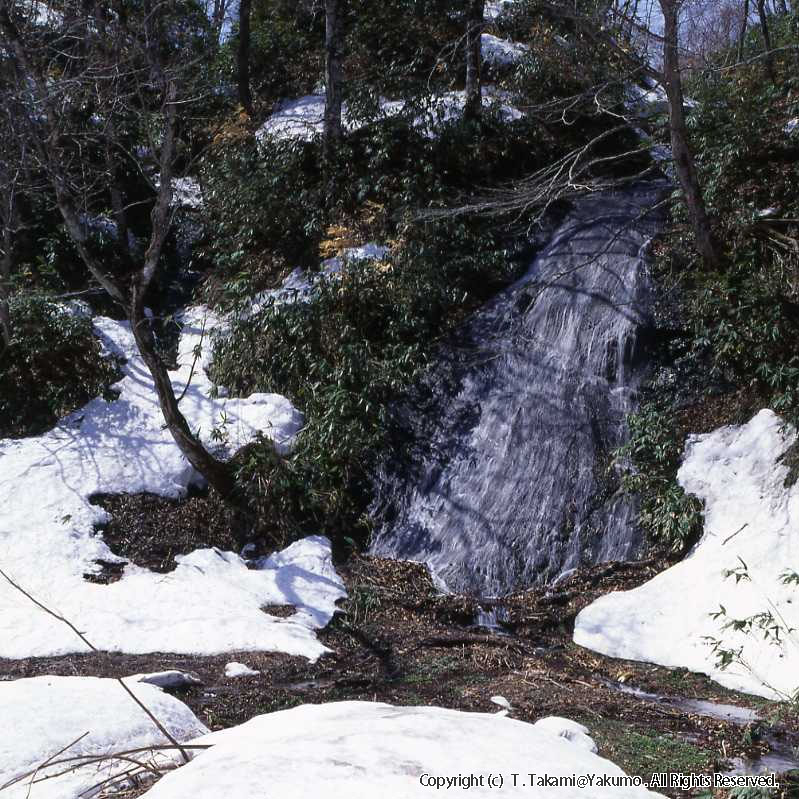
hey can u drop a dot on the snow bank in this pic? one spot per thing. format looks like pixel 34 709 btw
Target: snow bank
pixel 359 750
pixel 211 602
pixel 302 118
pixel 750 517
pixel 43 715
pixel 501 52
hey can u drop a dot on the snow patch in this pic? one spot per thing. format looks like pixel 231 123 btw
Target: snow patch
pixel 791 126
pixel 501 52
pixel 186 191
pixel 43 715
pixel 495 8
pixel 235 669
pixel 646 102
pixel 359 750
pixel 751 517
pixel 299 285
pixel 303 118
pixel 212 601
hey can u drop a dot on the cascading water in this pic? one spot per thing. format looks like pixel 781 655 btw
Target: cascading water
pixel 510 483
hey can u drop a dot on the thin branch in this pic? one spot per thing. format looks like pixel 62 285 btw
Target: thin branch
pixel 93 648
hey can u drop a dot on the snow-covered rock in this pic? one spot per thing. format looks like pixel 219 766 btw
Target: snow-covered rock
pixel 501 52
pixel 751 518
pixel 495 8
pixel 186 192
pixel 235 669
pixel 646 102
pixel 212 601
pixel 42 13
pixel 302 118
pixel 86 717
pixel 359 750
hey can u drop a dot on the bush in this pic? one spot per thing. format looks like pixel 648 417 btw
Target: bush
pixel 749 322
pixel 52 366
pixel 342 358
pixel 652 457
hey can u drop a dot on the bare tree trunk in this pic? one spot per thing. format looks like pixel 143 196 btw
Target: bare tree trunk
pixel 764 29
pixel 742 35
pixel 217 473
pixel 5 278
pixel 130 297
pixel 475 21
pixel 9 221
pixel 218 17
pixel 680 147
pixel 333 76
pixel 243 71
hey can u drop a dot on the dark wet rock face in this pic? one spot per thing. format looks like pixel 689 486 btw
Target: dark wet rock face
pixel 512 429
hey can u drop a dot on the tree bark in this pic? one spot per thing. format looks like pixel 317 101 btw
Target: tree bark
pixel 742 35
pixel 130 296
pixel 333 77
pixel 9 218
pixel 217 474
pixel 5 276
pixel 475 21
pixel 243 55
pixel 766 33
pixel 681 150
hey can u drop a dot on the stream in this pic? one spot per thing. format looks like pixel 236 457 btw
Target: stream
pixel 783 755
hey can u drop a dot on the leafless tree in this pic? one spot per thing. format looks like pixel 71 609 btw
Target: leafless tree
pixel 742 35
pixel 243 56
pixel 334 32
pixel 104 91
pixel 217 11
pixel 684 164
pixel 10 224
pixel 475 23
pixel 765 32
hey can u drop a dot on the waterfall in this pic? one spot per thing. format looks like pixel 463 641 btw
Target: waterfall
pixel 510 482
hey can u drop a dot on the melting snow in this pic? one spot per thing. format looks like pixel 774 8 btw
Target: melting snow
pixel 234 669
pixel 43 715
pixel 211 602
pixel 359 750
pixel 751 518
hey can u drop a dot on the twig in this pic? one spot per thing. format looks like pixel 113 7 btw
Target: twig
pixel 730 537
pixel 93 648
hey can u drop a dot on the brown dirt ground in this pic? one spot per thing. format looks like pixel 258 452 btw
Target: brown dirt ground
pixel 397 641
